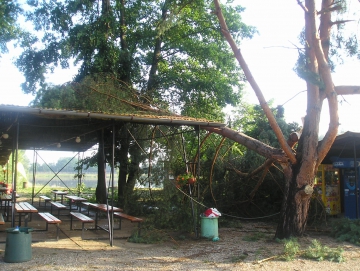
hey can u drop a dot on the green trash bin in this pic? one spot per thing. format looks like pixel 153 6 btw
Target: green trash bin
pixel 209 227
pixel 18 245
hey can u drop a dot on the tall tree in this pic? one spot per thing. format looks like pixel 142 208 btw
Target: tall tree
pixel 300 166
pixel 170 54
pixel 9 29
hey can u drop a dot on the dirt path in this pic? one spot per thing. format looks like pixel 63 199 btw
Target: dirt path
pixel 231 252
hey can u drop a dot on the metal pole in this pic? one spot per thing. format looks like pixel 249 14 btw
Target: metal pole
pixel 14 179
pixel 198 184
pixel 78 174
pixel 356 181
pixel 34 174
pixel 112 185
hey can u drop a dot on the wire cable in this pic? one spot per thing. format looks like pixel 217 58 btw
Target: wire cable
pixel 232 216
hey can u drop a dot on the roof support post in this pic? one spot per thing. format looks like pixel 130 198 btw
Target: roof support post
pixel 356 168
pixel 111 228
pixel 14 174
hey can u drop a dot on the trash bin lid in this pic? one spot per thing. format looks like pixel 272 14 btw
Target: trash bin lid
pixel 20 229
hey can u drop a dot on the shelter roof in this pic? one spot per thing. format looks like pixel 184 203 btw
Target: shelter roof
pixel 43 129
pixel 346 145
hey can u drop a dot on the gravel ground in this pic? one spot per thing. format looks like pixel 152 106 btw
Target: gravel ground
pixel 231 252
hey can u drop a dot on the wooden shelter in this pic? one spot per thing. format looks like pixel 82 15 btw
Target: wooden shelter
pixel 27 128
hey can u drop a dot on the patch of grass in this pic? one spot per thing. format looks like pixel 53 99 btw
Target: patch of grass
pixel 148 236
pixel 238 258
pixel 254 237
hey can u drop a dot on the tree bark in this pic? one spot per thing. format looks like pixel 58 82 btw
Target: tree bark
pixel 124 161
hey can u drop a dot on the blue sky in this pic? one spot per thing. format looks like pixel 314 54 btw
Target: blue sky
pixel 270 55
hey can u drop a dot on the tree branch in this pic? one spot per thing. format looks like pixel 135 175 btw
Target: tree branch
pixel 274 125
pixel 325 10
pixel 325 73
pixel 341 22
pixel 267 163
pixel 251 143
pixel 347 90
pixel 266 166
pixel 302 6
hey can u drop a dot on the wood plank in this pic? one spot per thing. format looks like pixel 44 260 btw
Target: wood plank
pixel 30 207
pixel 25 207
pixel 50 218
pixel 76 198
pixel 58 205
pixel 128 217
pixel 103 207
pixel 82 217
pixel 46 198
pixel 5 197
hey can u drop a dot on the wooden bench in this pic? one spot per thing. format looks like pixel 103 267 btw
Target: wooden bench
pixel 50 219
pixel 45 198
pixel 57 205
pixel 128 217
pixel 2 221
pixel 83 218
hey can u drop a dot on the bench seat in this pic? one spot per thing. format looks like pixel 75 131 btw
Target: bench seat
pixel 57 205
pixel 50 219
pixel 128 217
pixel 83 218
pixel 45 198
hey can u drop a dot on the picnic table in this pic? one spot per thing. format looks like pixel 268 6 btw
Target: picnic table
pixel 59 193
pixel 3 189
pixel 101 207
pixel 24 208
pixel 74 199
pixel 5 201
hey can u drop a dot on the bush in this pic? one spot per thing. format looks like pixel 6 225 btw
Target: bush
pixel 346 230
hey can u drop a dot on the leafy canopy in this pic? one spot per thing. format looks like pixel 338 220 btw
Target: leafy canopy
pixel 170 51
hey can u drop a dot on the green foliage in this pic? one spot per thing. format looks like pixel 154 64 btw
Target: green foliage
pixel 22 165
pixel 230 186
pixel 303 72
pixel 148 235
pixel 80 187
pixel 346 230
pixel 173 55
pixel 317 251
pixel 134 57
pixel 291 249
pixel 9 29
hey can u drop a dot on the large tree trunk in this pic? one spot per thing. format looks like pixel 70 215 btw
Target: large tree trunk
pixel 124 163
pixel 294 210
